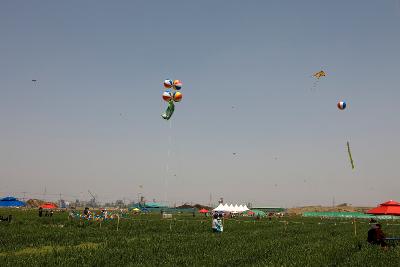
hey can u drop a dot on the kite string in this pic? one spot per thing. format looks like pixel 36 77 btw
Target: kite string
pixel 315 83
pixel 167 164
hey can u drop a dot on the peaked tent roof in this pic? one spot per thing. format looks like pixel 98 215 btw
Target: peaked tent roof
pixel 230 208
pixel 219 208
pixel 11 202
pixel 236 208
pixel 387 208
pixel 8 199
pixel 390 203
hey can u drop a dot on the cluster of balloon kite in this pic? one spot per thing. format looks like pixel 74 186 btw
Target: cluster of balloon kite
pixel 341 105
pixel 171 96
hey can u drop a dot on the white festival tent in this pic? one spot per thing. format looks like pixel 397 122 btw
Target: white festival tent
pixel 219 208
pixel 236 209
pixel 230 208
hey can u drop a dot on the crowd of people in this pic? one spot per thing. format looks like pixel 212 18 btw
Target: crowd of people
pixel 47 213
pixel 100 215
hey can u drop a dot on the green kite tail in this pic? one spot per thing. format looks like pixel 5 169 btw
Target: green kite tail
pixel 351 158
pixel 169 111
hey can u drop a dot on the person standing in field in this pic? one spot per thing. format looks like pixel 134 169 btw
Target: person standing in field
pixel 220 226
pixel 376 235
pixel 86 212
pixel 214 223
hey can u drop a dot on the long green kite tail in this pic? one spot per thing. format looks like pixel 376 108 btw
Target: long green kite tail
pixel 350 157
pixel 169 111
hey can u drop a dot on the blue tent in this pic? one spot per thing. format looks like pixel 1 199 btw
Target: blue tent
pixel 154 205
pixel 9 202
pixel 149 206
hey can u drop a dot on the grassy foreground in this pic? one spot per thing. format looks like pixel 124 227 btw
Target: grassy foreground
pixel 184 240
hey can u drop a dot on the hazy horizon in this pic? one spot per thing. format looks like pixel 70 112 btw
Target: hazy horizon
pixel 250 127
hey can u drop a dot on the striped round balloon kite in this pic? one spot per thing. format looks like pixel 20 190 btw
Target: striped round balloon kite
pixel 167 95
pixel 341 105
pixel 168 83
pixel 177 85
pixel 177 96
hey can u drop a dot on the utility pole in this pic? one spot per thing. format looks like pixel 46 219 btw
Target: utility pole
pixel 140 193
pixel 44 193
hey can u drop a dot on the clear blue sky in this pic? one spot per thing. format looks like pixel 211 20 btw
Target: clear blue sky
pixel 92 119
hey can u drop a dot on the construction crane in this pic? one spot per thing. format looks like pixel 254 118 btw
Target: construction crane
pixel 93 200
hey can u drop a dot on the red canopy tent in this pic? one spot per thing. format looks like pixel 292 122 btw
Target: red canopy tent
pixel 249 212
pixel 388 208
pixel 48 205
pixel 203 211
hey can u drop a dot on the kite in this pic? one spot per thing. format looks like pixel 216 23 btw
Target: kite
pixel 177 96
pixel 177 85
pixel 167 95
pixel 171 97
pixel 341 105
pixel 319 74
pixel 350 157
pixel 168 83
pixel 169 111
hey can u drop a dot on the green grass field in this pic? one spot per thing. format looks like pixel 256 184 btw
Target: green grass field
pixel 149 240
